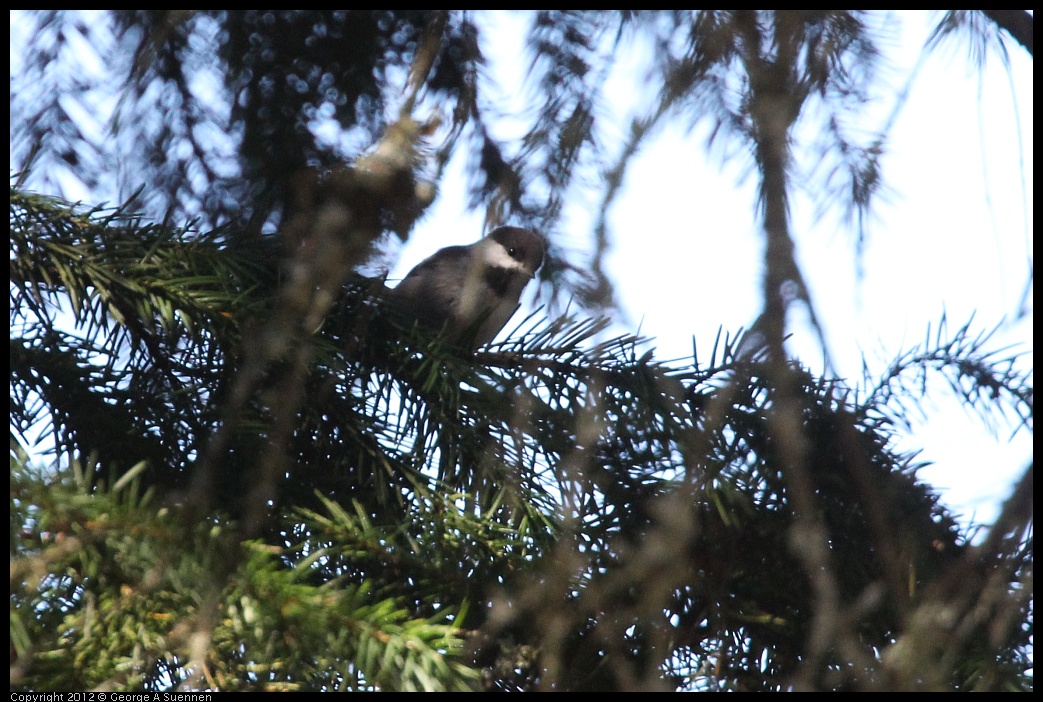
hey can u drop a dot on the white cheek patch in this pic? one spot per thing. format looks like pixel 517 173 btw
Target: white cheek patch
pixel 476 297
pixel 496 256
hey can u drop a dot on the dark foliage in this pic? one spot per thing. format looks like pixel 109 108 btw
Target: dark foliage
pixel 260 481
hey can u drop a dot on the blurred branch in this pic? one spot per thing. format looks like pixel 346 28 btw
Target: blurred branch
pixel 1017 23
pixel 332 232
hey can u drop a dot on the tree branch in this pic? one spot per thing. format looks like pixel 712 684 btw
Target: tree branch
pixel 1018 24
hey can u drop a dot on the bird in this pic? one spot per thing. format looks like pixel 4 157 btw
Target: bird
pixel 470 292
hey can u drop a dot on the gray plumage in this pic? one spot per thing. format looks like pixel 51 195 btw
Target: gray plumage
pixel 459 285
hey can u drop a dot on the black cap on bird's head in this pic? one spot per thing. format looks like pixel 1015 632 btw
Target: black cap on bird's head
pixel 523 245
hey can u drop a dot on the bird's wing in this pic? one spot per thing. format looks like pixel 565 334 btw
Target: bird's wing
pixel 428 294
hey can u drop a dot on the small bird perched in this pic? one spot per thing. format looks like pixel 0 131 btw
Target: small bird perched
pixel 471 290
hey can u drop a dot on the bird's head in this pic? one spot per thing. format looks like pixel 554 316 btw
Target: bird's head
pixel 513 248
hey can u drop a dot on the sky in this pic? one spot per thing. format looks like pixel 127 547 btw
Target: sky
pixel 952 237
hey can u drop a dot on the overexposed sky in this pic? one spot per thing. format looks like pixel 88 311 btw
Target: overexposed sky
pixel 952 235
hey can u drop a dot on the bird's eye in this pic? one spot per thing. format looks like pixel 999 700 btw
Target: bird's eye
pixel 514 252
